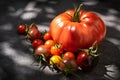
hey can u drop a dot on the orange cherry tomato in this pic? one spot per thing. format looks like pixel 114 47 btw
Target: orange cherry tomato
pixel 49 43
pixel 56 50
pixel 68 55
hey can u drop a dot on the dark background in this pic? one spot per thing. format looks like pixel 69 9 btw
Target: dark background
pixel 16 57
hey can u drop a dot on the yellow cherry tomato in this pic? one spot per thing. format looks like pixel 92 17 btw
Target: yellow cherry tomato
pixel 55 60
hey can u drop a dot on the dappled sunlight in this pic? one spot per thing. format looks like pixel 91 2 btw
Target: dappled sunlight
pixel 114 41
pixel 17 56
pixel 53 1
pixel 16 13
pixel 90 3
pixel 113 11
pixel 49 10
pixel 31 6
pixel 30 11
pixel 113 28
pixel 6 27
pixel 112 72
pixel 29 15
pixel 111 20
pixel 42 28
pixel 51 16
pixel 50 72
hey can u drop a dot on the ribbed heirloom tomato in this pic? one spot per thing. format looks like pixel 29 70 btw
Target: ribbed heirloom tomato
pixel 77 29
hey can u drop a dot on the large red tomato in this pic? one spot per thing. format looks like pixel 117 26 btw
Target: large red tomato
pixel 77 29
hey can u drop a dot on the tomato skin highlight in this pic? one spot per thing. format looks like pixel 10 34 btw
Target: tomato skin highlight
pixel 74 35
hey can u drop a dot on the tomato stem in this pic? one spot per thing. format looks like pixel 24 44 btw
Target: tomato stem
pixel 76 16
pixel 92 50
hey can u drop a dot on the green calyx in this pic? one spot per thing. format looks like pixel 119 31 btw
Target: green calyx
pixel 76 16
pixel 92 50
pixel 57 45
pixel 42 62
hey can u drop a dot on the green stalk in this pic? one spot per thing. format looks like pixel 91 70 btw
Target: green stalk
pixel 76 16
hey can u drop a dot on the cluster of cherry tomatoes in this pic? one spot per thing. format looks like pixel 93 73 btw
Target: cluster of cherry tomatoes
pixel 50 53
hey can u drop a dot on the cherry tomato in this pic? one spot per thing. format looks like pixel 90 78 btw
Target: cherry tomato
pixel 49 43
pixel 68 55
pixel 37 42
pixel 42 49
pixel 85 60
pixel 22 29
pixel 47 36
pixel 55 60
pixel 56 50
pixel 33 32
pixel 68 65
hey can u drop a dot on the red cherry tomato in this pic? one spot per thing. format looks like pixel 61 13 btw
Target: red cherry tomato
pixel 47 36
pixel 37 42
pixel 33 32
pixel 22 29
pixel 68 55
pixel 85 61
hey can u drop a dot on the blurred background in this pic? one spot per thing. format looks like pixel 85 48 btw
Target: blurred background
pixel 16 57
